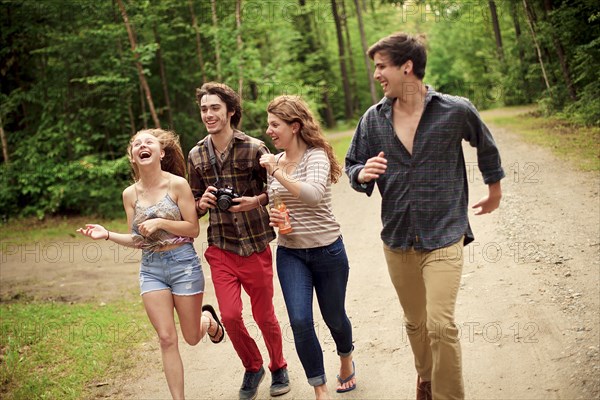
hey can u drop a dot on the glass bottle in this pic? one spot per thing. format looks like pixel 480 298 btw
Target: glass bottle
pixel 284 227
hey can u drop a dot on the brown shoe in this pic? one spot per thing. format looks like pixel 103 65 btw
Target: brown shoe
pixel 423 390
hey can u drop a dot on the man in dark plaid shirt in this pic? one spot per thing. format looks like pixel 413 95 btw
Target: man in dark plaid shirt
pixel 409 144
pixel 238 236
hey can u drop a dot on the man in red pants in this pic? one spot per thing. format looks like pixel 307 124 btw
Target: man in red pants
pixel 227 180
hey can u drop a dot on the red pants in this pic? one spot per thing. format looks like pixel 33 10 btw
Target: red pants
pixel 254 273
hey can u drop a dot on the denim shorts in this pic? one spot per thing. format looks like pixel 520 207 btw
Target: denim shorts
pixel 178 270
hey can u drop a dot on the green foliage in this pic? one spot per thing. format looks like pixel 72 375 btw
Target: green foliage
pixel 70 96
pixel 578 145
pixel 56 350
pixel 88 186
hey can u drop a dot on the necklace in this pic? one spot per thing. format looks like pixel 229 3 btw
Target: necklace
pixel 223 153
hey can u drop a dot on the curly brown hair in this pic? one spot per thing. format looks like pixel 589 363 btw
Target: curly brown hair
pixel 292 109
pixel 173 161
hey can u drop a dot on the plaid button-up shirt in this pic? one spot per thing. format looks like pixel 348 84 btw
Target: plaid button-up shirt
pixel 242 233
pixel 424 195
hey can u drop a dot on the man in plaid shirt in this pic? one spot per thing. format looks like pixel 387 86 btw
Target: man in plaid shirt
pixel 409 144
pixel 238 236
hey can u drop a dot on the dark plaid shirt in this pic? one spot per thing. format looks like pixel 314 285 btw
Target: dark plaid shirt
pixel 424 196
pixel 242 233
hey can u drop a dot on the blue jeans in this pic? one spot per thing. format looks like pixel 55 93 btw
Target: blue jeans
pixel 326 270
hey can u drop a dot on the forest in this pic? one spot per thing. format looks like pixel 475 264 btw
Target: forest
pixel 80 77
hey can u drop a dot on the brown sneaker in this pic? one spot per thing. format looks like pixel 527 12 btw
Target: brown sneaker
pixel 423 390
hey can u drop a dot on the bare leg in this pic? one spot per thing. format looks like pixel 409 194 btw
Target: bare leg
pixel 321 392
pixel 159 307
pixel 189 311
pixel 193 322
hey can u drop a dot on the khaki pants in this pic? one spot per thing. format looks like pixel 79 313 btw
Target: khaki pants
pixel 427 284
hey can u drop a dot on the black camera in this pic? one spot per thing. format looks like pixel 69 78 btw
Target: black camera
pixel 225 197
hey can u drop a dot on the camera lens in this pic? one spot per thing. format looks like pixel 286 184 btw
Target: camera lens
pixel 224 202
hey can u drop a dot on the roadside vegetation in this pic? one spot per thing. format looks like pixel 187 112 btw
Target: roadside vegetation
pixel 58 350
pixel 578 144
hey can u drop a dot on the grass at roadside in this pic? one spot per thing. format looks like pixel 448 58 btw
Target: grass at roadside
pixel 63 351
pixel 577 144
pixel 31 230
pixel 341 126
pixel 340 147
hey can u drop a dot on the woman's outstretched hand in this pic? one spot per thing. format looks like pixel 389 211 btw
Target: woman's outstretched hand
pixel 94 231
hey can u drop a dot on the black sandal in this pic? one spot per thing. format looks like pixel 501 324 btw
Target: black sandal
pixel 213 313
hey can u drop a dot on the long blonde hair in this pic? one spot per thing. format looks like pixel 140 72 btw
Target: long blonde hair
pixel 292 109
pixel 172 162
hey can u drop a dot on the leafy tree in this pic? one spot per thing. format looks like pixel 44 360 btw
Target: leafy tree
pixel 71 94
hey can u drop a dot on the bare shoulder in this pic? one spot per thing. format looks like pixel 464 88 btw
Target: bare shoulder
pixel 129 191
pixel 178 181
pixel 129 195
pixel 179 185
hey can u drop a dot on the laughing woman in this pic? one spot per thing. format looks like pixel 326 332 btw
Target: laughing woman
pixel 312 256
pixel 162 219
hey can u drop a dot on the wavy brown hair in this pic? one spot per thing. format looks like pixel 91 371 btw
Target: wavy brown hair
pixel 172 162
pixel 292 109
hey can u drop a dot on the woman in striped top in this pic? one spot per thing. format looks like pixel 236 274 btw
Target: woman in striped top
pixel 312 256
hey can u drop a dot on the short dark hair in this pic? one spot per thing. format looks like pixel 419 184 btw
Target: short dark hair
pixel 227 95
pixel 401 47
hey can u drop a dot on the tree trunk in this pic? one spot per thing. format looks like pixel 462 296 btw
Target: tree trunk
pixel 350 58
pixel 132 124
pixel 329 117
pixel 4 142
pixel 496 26
pixel 198 43
pixel 537 46
pixel 313 46
pixel 215 21
pixel 342 58
pixel 562 58
pixel 138 65
pixel 69 117
pixel 130 112
pixel 143 106
pixel 238 24
pixel 363 41
pixel 163 77
pixel 515 17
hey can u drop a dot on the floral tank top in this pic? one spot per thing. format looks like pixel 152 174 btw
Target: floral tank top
pixel 165 208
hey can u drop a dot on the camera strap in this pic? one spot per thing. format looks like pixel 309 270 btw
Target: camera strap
pixel 212 158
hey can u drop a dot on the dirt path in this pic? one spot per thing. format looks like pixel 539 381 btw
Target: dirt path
pixel 526 305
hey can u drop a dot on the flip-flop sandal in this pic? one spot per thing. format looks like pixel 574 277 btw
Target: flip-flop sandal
pixel 213 313
pixel 348 379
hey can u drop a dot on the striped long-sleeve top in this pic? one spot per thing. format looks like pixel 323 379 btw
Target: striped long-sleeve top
pixel 311 216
